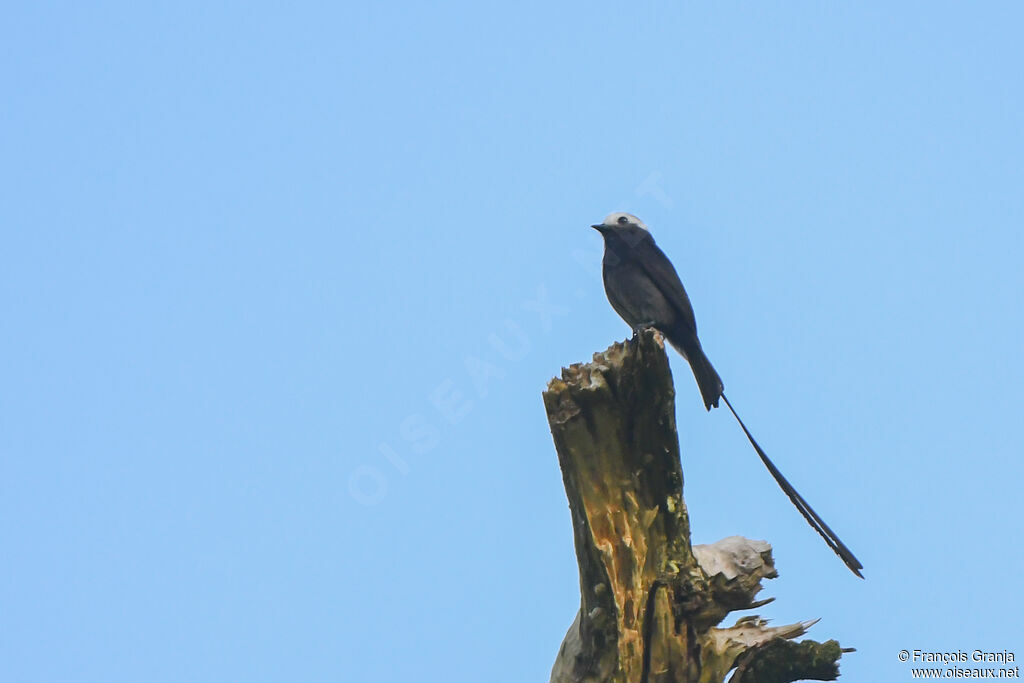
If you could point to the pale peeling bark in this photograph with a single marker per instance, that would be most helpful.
(651, 603)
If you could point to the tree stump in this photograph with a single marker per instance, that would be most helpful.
(650, 602)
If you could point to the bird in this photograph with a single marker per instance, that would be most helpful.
(645, 290)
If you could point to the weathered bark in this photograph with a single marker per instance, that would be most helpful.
(650, 602)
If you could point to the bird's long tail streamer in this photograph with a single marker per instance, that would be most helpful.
(806, 510)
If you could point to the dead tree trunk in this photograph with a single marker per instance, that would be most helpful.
(650, 602)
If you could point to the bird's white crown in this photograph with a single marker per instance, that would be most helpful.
(616, 219)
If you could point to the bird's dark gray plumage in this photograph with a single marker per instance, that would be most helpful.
(644, 288)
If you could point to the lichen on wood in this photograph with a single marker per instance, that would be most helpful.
(650, 602)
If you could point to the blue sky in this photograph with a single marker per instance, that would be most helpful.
(281, 287)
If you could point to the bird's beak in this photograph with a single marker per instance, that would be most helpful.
(600, 227)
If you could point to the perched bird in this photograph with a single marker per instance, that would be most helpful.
(645, 290)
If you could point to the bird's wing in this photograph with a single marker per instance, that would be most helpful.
(664, 276)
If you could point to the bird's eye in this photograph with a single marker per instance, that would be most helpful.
(623, 220)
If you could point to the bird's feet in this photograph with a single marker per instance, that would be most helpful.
(640, 327)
